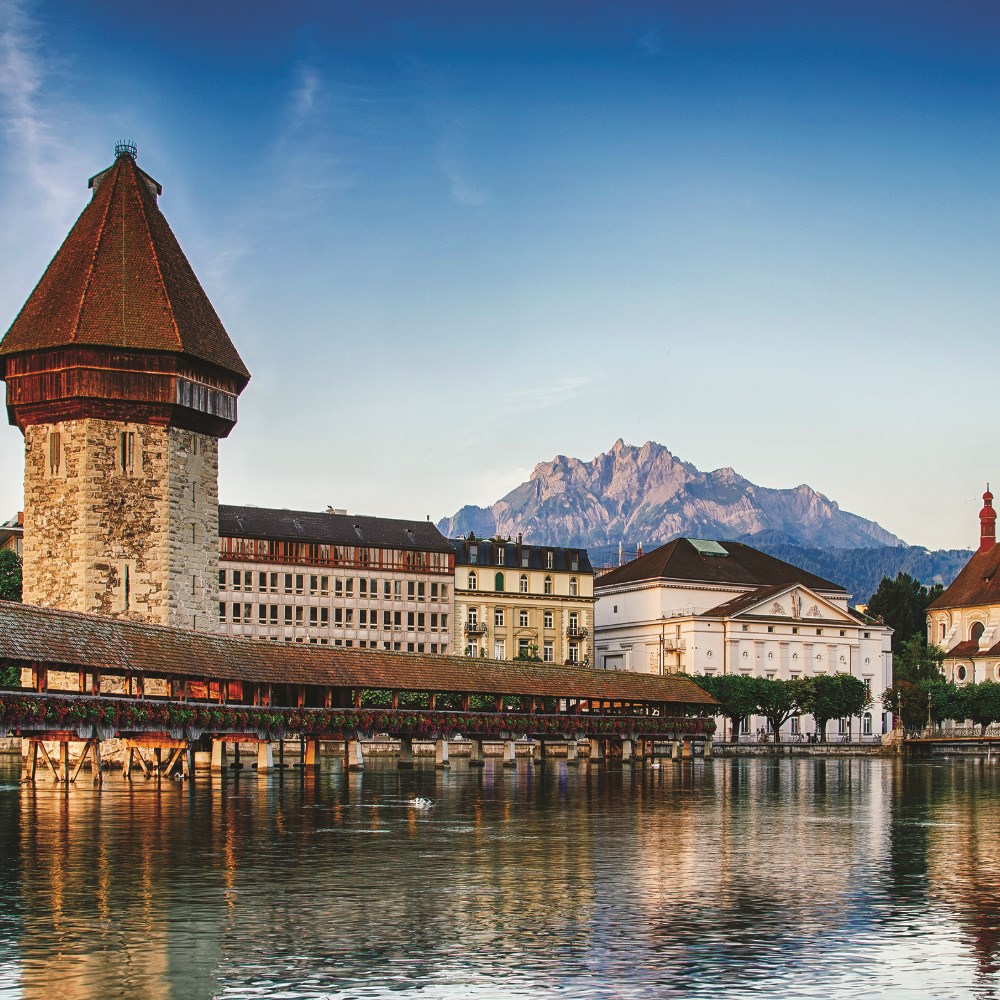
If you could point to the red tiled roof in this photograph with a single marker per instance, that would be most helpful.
(978, 583)
(65, 639)
(744, 565)
(121, 280)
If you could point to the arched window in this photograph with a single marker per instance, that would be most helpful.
(976, 633)
(548, 585)
(498, 582)
(473, 580)
(523, 583)
(572, 586)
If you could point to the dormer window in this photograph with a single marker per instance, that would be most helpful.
(501, 553)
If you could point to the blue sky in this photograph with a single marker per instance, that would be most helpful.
(452, 240)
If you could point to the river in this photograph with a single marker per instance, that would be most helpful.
(728, 878)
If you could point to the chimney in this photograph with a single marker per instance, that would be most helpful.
(987, 523)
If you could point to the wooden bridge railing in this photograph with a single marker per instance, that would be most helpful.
(102, 717)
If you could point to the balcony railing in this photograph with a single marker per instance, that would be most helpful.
(576, 633)
(472, 628)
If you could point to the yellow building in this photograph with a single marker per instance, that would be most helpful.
(514, 600)
(965, 620)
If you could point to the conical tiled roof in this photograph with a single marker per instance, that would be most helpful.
(121, 280)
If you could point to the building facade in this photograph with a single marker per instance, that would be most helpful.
(965, 620)
(707, 607)
(12, 533)
(514, 600)
(122, 379)
(335, 579)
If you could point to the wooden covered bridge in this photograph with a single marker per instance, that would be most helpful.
(86, 679)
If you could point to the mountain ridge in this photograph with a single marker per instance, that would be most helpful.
(645, 495)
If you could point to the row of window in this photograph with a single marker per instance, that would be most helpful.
(501, 557)
(795, 631)
(523, 616)
(522, 584)
(525, 650)
(240, 549)
(411, 647)
(268, 614)
(319, 585)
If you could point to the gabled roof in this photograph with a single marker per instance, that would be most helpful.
(121, 280)
(681, 561)
(978, 583)
(330, 528)
(67, 639)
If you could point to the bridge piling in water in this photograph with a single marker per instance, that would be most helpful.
(441, 754)
(509, 753)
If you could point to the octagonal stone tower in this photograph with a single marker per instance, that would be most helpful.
(122, 379)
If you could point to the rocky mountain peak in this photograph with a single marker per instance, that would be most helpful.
(645, 494)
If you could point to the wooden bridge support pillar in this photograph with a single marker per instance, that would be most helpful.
(355, 756)
(509, 753)
(476, 753)
(405, 761)
(628, 757)
(685, 750)
(64, 760)
(538, 752)
(441, 753)
(572, 753)
(597, 751)
(30, 762)
(311, 756)
(265, 756)
(218, 755)
(708, 749)
(675, 750)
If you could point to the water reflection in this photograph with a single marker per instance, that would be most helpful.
(809, 877)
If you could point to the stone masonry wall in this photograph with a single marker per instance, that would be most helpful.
(138, 543)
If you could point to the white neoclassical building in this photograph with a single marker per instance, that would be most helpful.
(695, 606)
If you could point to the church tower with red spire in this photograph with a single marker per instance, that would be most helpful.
(122, 379)
(987, 523)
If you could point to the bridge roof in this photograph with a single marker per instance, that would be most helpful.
(68, 640)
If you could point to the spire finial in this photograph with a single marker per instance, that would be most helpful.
(126, 147)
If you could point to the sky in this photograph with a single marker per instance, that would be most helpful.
(454, 240)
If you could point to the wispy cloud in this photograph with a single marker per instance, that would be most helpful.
(547, 394)
(452, 161)
(651, 42)
(26, 115)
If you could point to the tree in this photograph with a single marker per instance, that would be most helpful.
(902, 604)
(10, 575)
(836, 696)
(778, 701)
(908, 701)
(915, 661)
(736, 695)
(982, 703)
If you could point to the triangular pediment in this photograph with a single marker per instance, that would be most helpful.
(791, 603)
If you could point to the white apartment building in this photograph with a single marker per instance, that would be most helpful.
(337, 579)
(695, 606)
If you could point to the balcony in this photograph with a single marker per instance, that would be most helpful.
(472, 628)
(576, 633)
(674, 645)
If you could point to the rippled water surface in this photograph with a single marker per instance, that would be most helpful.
(798, 878)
